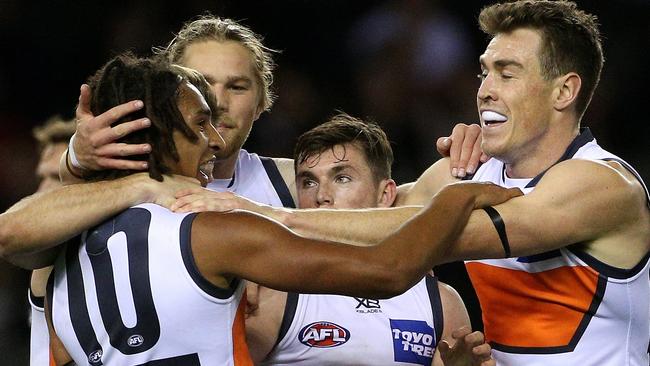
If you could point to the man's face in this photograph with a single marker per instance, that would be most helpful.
(48, 166)
(228, 68)
(514, 101)
(196, 158)
(338, 178)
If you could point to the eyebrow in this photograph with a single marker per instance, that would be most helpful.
(501, 64)
(305, 174)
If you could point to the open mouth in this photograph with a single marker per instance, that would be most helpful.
(492, 118)
(205, 169)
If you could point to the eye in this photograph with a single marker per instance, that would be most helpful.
(202, 125)
(506, 76)
(238, 87)
(308, 183)
(343, 179)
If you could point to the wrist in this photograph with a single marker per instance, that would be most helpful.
(74, 162)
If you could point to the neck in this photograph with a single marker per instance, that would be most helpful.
(542, 154)
(225, 168)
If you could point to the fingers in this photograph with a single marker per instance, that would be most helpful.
(107, 134)
(83, 108)
(121, 149)
(472, 133)
(252, 298)
(442, 145)
(457, 137)
(461, 332)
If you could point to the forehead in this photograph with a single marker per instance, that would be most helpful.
(520, 45)
(343, 154)
(190, 100)
(216, 58)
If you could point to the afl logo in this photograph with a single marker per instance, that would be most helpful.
(95, 357)
(135, 340)
(323, 335)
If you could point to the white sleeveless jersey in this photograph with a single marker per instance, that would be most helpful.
(563, 307)
(131, 294)
(256, 178)
(341, 330)
(39, 339)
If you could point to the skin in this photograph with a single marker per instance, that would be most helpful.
(228, 68)
(340, 177)
(244, 250)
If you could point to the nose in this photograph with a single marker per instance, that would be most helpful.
(486, 90)
(215, 141)
(223, 99)
(324, 197)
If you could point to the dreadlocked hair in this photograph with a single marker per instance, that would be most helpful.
(155, 82)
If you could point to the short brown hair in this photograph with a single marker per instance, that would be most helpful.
(342, 129)
(210, 28)
(54, 130)
(570, 38)
(156, 82)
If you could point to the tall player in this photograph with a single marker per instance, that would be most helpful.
(184, 269)
(574, 278)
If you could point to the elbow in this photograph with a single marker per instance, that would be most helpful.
(8, 235)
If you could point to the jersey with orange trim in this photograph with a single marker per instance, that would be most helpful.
(343, 330)
(563, 307)
(130, 294)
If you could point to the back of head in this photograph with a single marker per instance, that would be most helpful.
(155, 82)
(211, 28)
(344, 129)
(570, 38)
(54, 130)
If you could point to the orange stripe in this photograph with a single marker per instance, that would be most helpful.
(51, 356)
(240, 348)
(523, 309)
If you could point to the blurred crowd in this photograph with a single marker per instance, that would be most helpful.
(409, 65)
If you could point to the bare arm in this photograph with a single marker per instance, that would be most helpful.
(263, 325)
(42, 221)
(245, 250)
(598, 204)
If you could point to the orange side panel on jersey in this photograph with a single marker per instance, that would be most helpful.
(52, 363)
(240, 348)
(523, 309)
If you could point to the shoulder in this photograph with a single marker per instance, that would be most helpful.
(595, 175)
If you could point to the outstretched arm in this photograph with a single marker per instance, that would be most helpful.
(245, 250)
(42, 221)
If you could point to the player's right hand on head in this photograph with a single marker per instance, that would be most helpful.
(487, 193)
(95, 143)
(463, 148)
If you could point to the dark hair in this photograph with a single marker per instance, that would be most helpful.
(156, 82)
(342, 129)
(570, 38)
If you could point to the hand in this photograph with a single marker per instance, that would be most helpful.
(463, 148)
(252, 298)
(201, 199)
(164, 193)
(94, 142)
(469, 349)
(486, 193)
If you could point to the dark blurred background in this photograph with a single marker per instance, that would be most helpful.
(409, 65)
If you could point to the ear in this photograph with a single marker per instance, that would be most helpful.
(387, 193)
(258, 111)
(568, 86)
